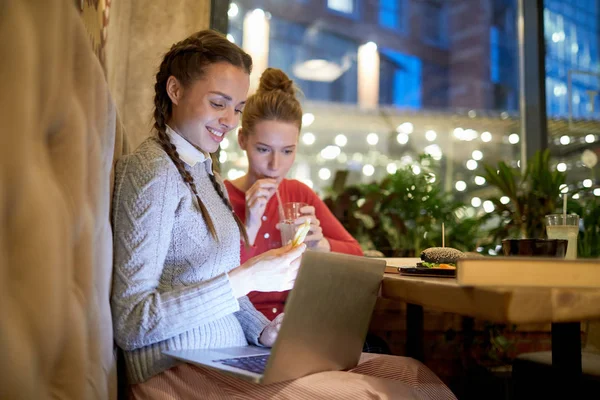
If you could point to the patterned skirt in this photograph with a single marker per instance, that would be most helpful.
(375, 377)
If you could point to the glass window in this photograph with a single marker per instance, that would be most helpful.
(433, 22)
(391, 14)
(494, 54)
(344, 6)
(572, 32)
(449, 101)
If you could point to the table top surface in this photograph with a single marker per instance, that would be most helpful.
(497, 304)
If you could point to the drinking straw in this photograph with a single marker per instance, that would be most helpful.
(443, 236)
(280, 205)
(564, 209)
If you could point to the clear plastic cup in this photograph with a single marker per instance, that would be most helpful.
(287, 226)
(561, 226)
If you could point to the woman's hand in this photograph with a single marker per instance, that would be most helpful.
(269, 334)
(272, 271)
(315, 239)
(257, 198)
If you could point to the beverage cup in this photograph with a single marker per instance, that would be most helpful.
(561, 226)
(287, 226)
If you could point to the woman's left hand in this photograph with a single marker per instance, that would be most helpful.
(269, 334)
(315, 239)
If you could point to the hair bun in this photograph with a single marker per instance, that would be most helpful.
(275, 79)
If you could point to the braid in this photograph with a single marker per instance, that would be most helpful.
(238, 221)
(161, 127)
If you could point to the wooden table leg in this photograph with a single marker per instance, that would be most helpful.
(414, 331)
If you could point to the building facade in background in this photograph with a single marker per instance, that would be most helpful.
(415, 76)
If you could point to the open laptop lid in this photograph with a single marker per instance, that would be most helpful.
(327, 315)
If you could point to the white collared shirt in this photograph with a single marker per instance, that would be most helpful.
(188, 153)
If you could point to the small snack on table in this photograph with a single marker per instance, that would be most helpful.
(440, 257)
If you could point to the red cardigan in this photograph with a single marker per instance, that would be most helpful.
(268, 237)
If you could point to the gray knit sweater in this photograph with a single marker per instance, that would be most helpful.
(170, 283)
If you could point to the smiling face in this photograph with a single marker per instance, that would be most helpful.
(271, 149)
(205, 110)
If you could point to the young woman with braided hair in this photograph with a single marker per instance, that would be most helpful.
(178, 283)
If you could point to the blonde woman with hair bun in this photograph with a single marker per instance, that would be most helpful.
(271, 124)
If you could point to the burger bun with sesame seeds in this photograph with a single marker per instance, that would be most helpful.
(440, 257)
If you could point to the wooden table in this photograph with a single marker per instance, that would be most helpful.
(563, 308)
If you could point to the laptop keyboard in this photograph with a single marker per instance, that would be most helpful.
(254, 364)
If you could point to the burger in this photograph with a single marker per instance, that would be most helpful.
(440, 257)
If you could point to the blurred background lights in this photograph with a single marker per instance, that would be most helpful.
(324, 174)
(460, 186)
(402, 138)
(341, 140)
(405, 127)
(330, 152)
(434, 151)
(307, 119)
(233, 10)
(486, 137)
(308, 138)
(368, 170)
(225, 143)
(430, 135)
(488, 206)
(590, 138)
(470, 134)
(458, 133)
(513, 138)
(372, 138)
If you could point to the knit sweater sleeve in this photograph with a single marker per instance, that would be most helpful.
(144, 206)
(253, 321)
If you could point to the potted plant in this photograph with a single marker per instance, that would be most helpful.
(588, 209)
(532, 195)
(402, 214)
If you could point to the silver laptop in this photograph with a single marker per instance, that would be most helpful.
(327, 316)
